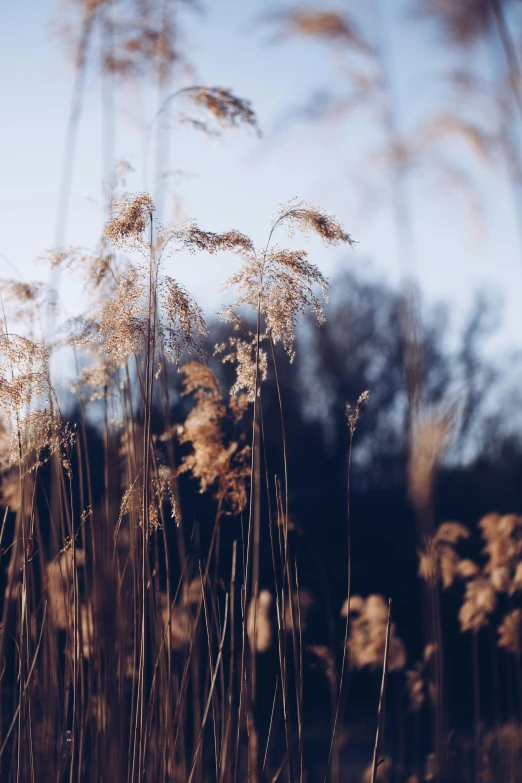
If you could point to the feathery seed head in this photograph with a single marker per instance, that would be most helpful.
(280, 284)
(300, 215)
(467, 569)
(242, 352)
(509, 632)
(415, 688)
(439, 558)
(367, 637)
(479, 602)
(23, 373)
(183, 325)
(353, 414)
(229, 110)
(213, 461)
(451, 533)
(133, 217)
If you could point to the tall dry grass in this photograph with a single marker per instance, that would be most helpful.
(132, 637)
(124, 655)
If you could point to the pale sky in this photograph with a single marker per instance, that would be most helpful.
(238, 180)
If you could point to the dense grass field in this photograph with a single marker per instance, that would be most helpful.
(283, 542)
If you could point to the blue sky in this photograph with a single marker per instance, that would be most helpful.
(237, 180)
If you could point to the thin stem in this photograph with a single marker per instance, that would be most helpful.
(380, 711)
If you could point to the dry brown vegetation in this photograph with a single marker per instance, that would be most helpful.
(97, 602)
(134, 640)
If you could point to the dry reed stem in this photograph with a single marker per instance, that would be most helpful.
(380, 710)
